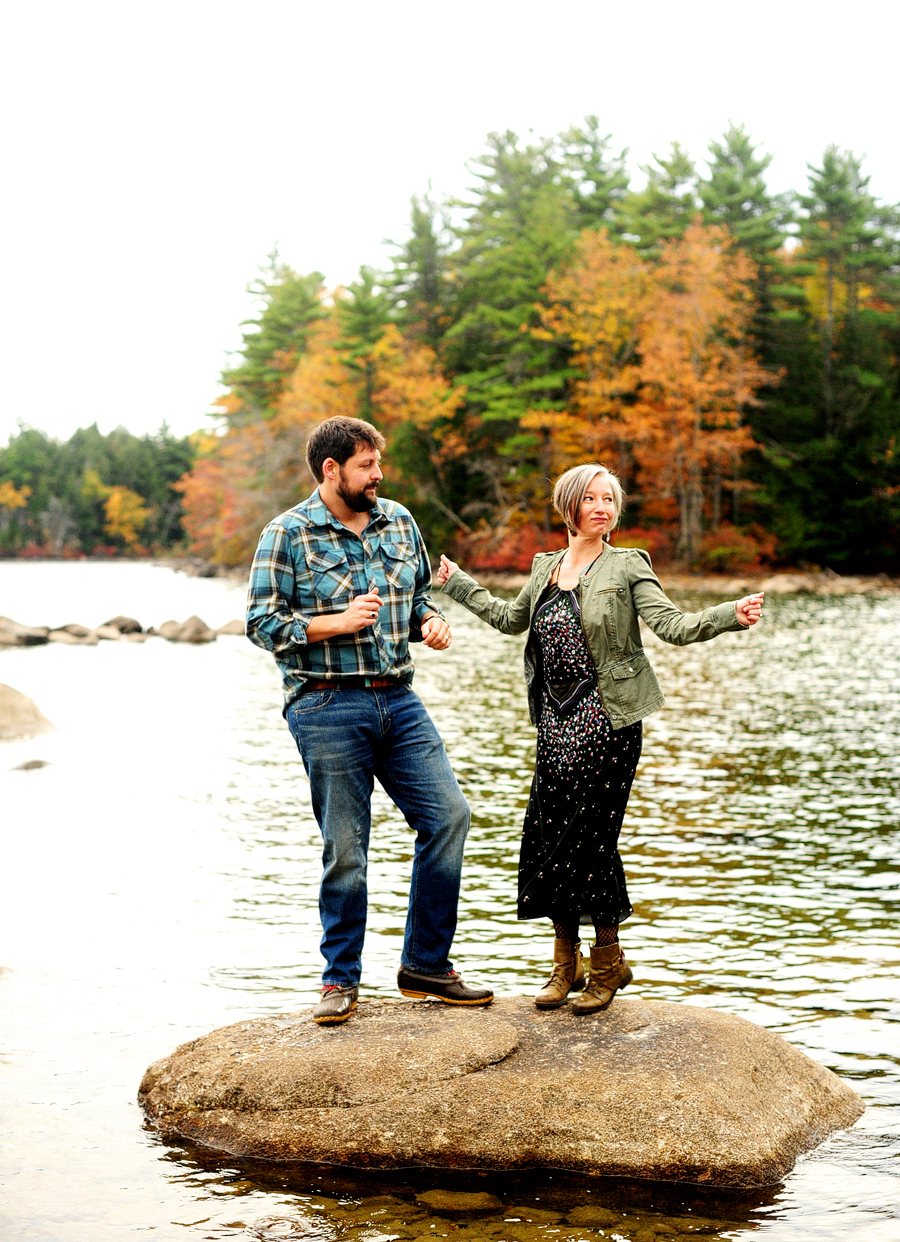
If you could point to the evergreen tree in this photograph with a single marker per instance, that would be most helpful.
(845, 238)
(599, 181)
(735, 194)
(419, 285)
(363, 314)
(665, 207)
(522, 223)
(272, 342)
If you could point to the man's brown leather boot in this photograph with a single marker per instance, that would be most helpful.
(608, 972)
(567, 976)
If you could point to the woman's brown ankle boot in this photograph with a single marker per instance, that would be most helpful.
(608, 972)
(567, 976)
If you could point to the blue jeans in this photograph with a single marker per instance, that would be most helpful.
(346, 739)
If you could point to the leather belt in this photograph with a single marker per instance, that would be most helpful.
(353, 683)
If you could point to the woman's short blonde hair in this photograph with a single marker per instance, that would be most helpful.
(571, 488)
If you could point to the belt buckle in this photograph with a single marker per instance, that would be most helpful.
(367, 682)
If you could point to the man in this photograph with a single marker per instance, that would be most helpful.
(339, 588)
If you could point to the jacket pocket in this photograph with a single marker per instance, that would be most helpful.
(398, 558)
(629, 688)
(330, 574)
(632, 667)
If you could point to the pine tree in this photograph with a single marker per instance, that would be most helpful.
(735, 195)
(272, 342)
(665, 207)
(419, 287)
(363, 313)
(599, 181)
(521, 224)
(845, 238)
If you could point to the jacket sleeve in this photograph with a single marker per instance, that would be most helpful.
(507, 616)
(665, 619)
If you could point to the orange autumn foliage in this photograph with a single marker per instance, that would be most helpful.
(665, 365)
(697, 373)
(248, 475)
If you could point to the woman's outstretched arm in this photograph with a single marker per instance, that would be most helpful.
(507, 616)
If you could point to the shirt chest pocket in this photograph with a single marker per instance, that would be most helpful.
(398, 558)
(330, 574)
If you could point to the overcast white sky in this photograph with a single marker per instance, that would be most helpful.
(153, 152)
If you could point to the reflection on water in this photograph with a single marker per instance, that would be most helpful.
(161, 879)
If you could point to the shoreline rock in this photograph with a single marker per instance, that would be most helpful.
(14, 634)
(647, 1089)
(20, 716)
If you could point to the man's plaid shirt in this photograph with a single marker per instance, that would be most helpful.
(309, 564)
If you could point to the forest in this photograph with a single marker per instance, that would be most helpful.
(733, 354)
(95, 494)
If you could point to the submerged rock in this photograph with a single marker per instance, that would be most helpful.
(648, 1089)
(20, 716)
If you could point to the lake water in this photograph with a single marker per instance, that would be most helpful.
(159, 879)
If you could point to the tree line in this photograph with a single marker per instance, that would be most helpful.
(93, 494)
(733, 354)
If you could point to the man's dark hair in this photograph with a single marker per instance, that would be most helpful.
(340, 438)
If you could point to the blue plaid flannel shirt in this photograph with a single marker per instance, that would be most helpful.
(309, 564)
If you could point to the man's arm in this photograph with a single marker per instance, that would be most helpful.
(271, 620)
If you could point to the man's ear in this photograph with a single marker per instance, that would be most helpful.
(330, 469)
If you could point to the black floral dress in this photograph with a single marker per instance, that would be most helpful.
(569, 865)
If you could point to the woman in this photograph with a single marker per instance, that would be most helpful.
(589, 686)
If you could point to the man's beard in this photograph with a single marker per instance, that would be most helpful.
(359, 502)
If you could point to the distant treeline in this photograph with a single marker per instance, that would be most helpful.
(733, 354)
(94, 494)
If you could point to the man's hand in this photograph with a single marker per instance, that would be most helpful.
(436, 633)
(749, 609)
(363, 611)
(445, 569)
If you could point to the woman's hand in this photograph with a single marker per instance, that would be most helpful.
(445, 570)
(749, 609)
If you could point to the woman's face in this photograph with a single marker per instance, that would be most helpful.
(598, 509)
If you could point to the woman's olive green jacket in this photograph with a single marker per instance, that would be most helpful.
(616, 590)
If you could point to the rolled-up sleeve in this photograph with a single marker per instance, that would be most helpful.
(271, 620)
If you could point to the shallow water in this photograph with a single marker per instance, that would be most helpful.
(160, 876)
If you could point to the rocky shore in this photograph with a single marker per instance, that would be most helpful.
(117, 629)
(647, 1089)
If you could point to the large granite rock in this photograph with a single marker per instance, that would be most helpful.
(20, 716)
(648, 1089)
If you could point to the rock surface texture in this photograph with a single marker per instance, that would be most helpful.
(20, 716)
(647, 1089)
